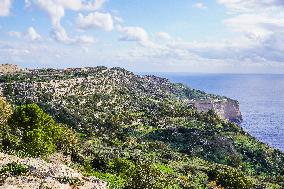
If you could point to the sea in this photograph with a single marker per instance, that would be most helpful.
(261, 98)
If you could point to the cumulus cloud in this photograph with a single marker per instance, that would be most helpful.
(262, 23)
(56, 11)
(31, 34)
(137, 34)
(5, 6)
(249, 20)
(200, 5)
(60, 35)
(103, 21)
(164, 35)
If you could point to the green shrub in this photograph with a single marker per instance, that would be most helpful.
(229, 177)
(5, 111)
(99, 163)
(120, 165)
(68, 141)
(145, 176)
(33, 132)
(14, 169)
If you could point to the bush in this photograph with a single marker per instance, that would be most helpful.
(145, 176)
(35, 133)
(68, 141)
(120, 165)
(99, 163)
(5, 111)
(230, 178)
(14, 169)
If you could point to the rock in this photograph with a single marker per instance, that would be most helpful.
(9, 69)
(42, 174)
(225, 108)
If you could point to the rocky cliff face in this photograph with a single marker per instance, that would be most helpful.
(225, 108)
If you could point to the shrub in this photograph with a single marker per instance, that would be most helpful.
(35, 133)
(68, 141)
(5, 111)
(145, 176)
(120, 165)
(14, 169)
(99, 163)
(230, 178)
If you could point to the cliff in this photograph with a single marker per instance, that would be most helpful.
(225, 108)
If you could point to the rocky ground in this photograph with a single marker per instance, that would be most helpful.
(42, 175)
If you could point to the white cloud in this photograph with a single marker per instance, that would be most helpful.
(15, 34)
(262, 23)
(200, 5)
(60, 35)
(136, 34)
(5, 6)
(250, 5)
(164, 35)
(256, 19)
(85, 40)
(118, 19)
(95, 20)
(56, 11)
(31, 34)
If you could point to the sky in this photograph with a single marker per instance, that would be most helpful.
(211, 36)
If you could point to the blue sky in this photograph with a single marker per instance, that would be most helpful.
(218, 36)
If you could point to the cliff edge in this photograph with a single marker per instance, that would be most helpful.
(226, 108)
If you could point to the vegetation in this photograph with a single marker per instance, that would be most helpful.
(134, 132)
(14, 169)
(33, 132)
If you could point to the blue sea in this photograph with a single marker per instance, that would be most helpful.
(261, 99)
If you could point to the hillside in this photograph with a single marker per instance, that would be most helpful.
(146, 132)
(57, 86)
(9, 69)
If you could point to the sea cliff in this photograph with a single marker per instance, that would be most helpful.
(225, 108)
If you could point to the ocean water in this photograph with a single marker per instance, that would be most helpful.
(261, 99)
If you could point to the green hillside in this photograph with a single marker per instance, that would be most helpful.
(132, 131)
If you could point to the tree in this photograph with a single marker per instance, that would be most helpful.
(5, 111)
(32, 131)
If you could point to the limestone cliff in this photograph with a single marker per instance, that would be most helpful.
(225, 108)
